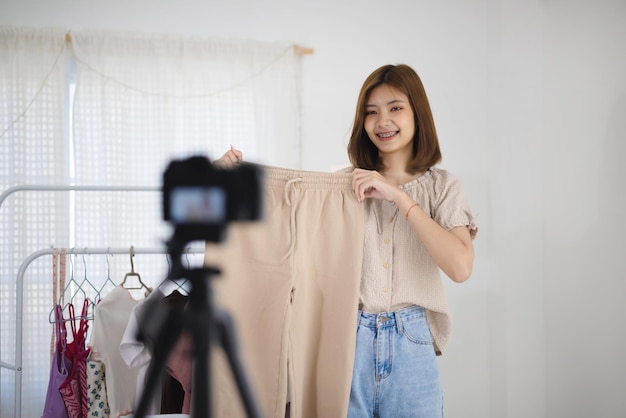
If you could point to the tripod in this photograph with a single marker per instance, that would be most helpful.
(160, 327)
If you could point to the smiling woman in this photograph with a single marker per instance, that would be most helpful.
(417, 222)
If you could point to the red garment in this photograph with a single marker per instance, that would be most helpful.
(74, 389)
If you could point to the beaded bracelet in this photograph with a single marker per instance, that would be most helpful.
(409, 210)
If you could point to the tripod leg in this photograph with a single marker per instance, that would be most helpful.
(227, 338)
(163, 345)
(201, 333)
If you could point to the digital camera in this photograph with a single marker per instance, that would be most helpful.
(200, 199)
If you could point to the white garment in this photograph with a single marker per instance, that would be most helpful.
(110, 321)
(137, 356)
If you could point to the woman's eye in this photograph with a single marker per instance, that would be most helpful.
(370, 112)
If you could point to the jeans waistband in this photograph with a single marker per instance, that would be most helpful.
(391, 319)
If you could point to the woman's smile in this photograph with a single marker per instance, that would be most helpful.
(387, 136)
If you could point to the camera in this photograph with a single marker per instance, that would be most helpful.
(200, 199)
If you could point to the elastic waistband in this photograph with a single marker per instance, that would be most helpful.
(279, 177)
(391, 319)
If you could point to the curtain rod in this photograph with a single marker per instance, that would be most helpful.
(299, 50)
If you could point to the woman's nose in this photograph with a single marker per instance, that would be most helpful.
(383, 119)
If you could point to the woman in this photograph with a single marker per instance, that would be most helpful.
(417, 222)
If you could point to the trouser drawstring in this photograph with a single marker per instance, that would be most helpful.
(292, 216)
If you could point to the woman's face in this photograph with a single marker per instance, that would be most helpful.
(389, 121)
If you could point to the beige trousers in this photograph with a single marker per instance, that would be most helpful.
(291, 284)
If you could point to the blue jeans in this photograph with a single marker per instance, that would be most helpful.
(395, 369)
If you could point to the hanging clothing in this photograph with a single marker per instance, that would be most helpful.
(136, 355)
(97, 400)
(60, 364)
(54, 407)
(110, 320)
(74, 388)
(179, 367)
(291, 284)
(175, 390)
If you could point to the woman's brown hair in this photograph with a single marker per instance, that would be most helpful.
(426, 152)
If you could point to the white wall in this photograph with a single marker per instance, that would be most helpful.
(585, 252)
(530, 103)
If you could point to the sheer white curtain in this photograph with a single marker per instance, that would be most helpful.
(142, 101)
(32, 151)
(113, 109)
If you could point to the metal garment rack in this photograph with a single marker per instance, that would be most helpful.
(66, 188)
(17, 367)
(20, 296)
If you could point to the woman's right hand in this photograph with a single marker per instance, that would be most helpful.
(229, 159)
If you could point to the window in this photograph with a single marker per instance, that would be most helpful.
(111, 109)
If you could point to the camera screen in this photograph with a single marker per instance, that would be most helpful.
(205, 205)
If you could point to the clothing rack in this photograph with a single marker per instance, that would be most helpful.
(20, 296)
(63, 188)
(17, 367)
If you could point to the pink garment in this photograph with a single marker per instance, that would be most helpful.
(179, 366)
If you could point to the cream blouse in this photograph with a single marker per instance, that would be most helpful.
(397, 270)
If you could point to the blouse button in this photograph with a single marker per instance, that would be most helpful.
(386, 265)
(386, 241)
(384, 290)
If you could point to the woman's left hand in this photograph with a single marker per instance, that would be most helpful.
(231, 158)
(371, 184)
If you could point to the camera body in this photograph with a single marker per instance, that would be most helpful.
(200, 199)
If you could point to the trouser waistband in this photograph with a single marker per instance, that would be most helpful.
(279, 177)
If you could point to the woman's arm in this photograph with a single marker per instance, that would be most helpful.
(453, 250)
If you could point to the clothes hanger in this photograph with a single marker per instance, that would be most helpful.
(86, 301)
(73, 286)
(85, 282)
(171, 285)
(108, 280)
(133, 273)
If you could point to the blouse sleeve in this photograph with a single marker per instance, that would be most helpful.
(452, 208)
